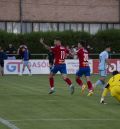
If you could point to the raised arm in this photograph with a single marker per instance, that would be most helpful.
(45, 45)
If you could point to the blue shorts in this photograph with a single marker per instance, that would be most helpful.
(103, 73)
(83, 71)
(60, 67)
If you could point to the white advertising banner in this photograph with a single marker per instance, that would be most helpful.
(15, 67)
(39, 66)
(118, 65)
(73, 66)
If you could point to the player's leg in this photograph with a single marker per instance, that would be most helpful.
(24, 65)
(117, 97)
(2, 68)
(28, 67)
(50, 66)
(54, 70)
(89, 83)
(79, 74)
(68, 81)
(101, 80)
(115, 92)
(2, 71)
(90, 87)
(51, 82)
(63, 72)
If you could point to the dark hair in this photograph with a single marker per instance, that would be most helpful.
(83, 43)
(23, 47)
(107, 46)
(115, 72)
(57, 38)
(0, 47)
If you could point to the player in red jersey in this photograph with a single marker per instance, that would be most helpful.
(60, 53)
(84, 68)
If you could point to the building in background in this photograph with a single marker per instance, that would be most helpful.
(59, 15)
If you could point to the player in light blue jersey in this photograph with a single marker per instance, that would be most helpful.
(103, 62)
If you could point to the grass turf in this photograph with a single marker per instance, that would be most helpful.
(25, 102)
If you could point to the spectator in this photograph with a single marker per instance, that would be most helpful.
(3, 56)
(89, 48)
(11, 51)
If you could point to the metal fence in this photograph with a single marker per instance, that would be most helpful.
(92, 56)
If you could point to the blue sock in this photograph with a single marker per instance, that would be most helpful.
(99, 82)
(30, 70)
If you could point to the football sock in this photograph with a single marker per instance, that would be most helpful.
(51, 80)
(68, 81)
(90, 87)
(100, 82)
(79, 81)
(30, 70)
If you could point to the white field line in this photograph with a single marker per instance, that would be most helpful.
(24, 94)
(8, 124)
(65, 119)
(7, 95)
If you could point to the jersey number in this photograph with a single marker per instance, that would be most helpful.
(62, 54)
(86, 57)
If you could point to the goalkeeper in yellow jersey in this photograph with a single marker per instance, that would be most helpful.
(113, 87)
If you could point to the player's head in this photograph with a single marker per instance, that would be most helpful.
(108, 48)
(115, 73)
(81, 44)
(21, 46)
(10, 45)
(1, 49)
(23, 49)
(57, 42)
(68, 47)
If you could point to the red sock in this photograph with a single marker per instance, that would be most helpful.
(68, 81)
(90, 87)
(79, 81)
(51, 81)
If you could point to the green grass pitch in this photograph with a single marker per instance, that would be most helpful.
(24, 101)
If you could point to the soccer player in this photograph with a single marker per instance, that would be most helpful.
(3, 56)
(11, 51)
(26, 57)
(113, 87)
(60, 53)
(84, 68)
(20, 52)
(103, 62)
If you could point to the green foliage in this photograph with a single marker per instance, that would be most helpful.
(111, 37)
(97, 41)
